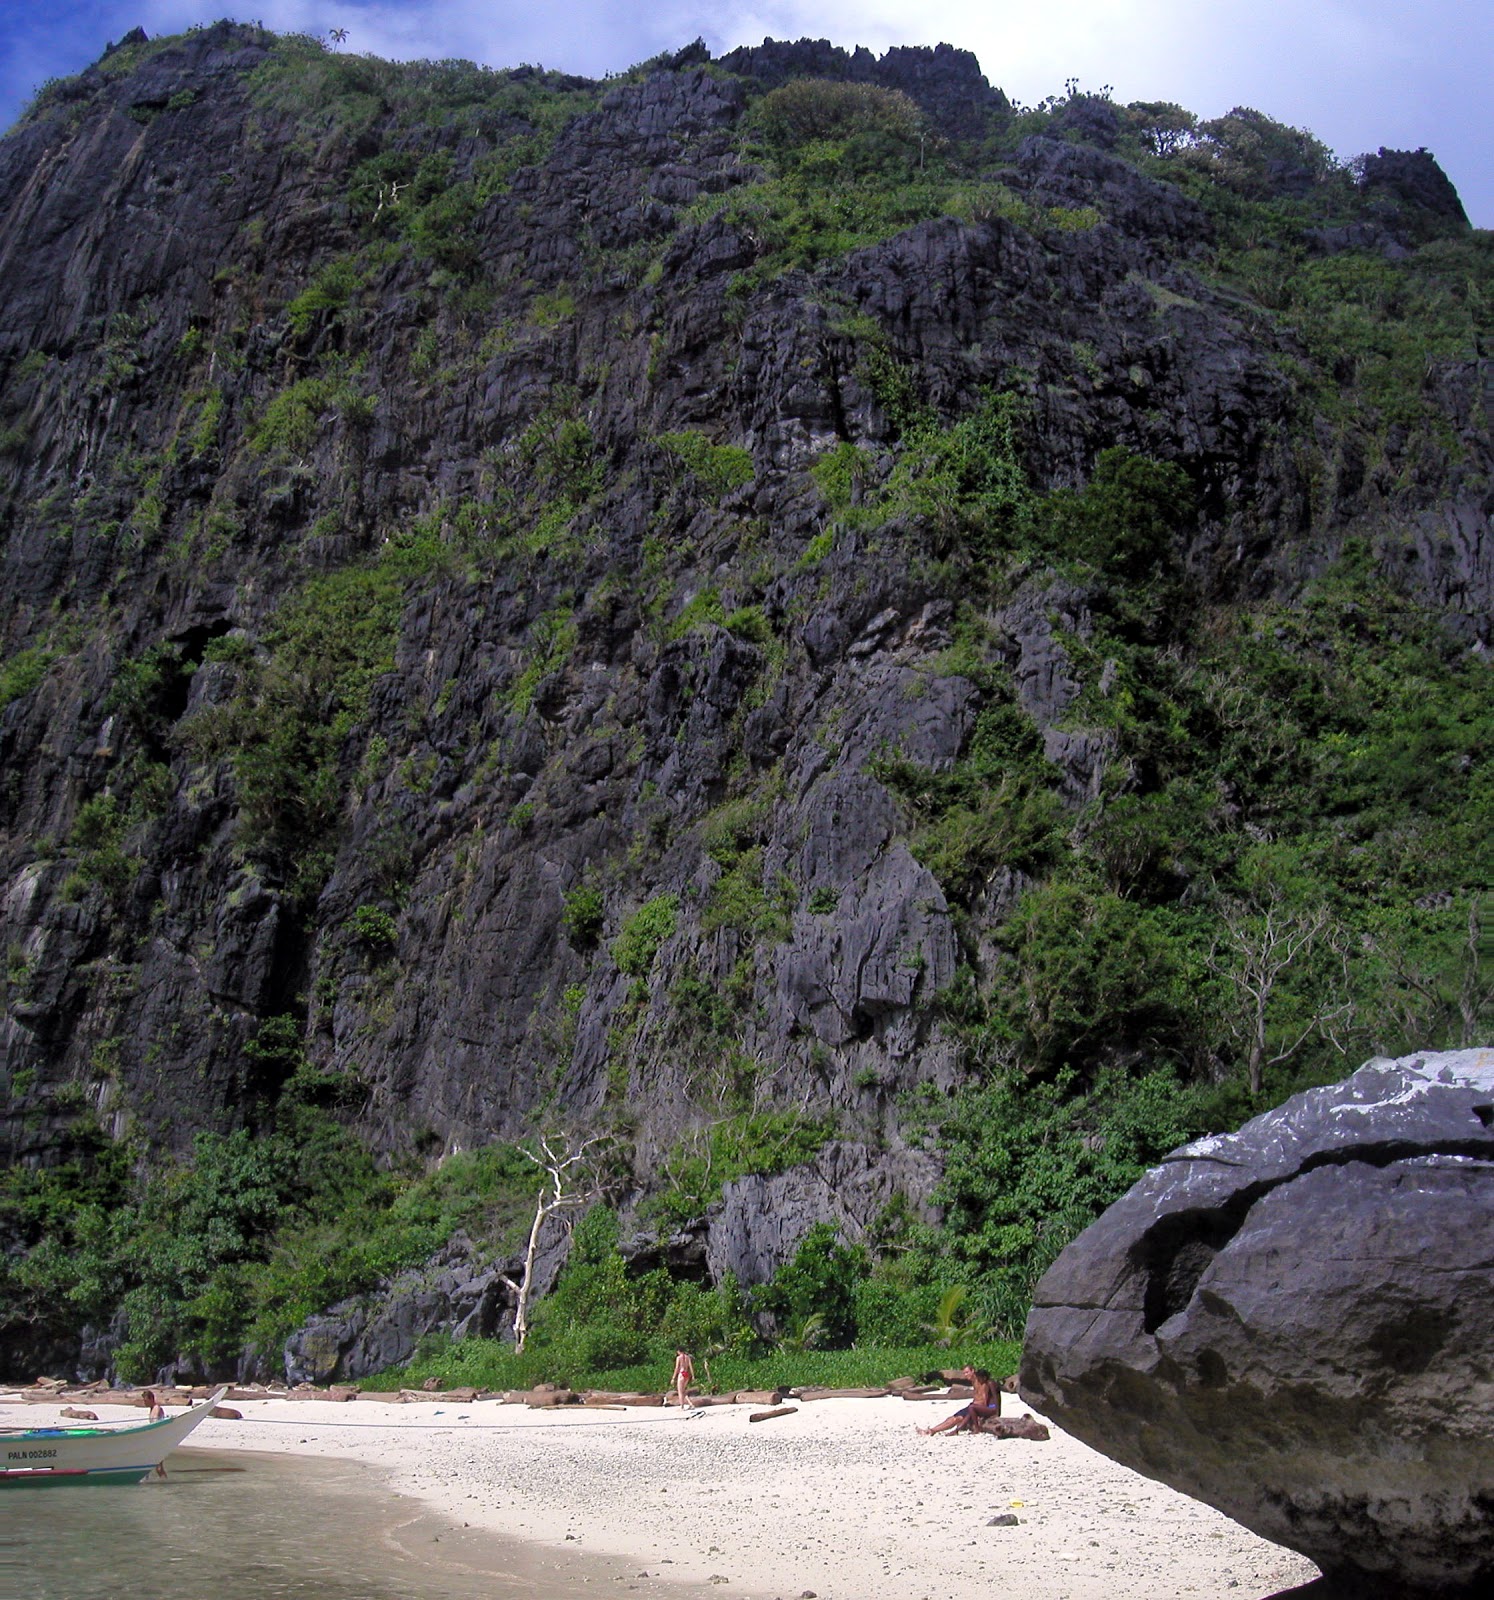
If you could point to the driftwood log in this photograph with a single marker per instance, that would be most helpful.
(540, 1399)
(1023, 1427)
(777, 1411)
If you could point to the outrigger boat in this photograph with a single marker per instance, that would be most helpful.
(50, 1456)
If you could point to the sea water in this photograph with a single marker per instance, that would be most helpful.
(241, 1526)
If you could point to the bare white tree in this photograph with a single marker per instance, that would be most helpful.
(570, 1181)
(1263, 940)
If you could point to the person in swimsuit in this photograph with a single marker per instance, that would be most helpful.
(985, 1401)
(684, 1376)
(155, 1411)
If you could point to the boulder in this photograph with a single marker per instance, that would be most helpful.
(1295, 1323)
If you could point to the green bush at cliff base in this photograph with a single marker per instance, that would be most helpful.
(237, 1245)
(1028, 1165)
(490, 1364)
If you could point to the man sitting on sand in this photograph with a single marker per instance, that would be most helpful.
(985, 1401)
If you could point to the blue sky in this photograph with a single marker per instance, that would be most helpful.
(1358, 73)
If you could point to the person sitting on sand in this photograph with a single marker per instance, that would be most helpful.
(985, 1401)
(684, 1376)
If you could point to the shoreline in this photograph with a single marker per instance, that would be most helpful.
(842, 1498)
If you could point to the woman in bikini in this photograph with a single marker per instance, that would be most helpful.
(684, 1376)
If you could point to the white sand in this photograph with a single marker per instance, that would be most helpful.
(842, 1498)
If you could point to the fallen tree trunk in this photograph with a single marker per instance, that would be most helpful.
(1023, 1427)
(777, 1411)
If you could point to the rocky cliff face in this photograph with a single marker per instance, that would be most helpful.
(439, 655)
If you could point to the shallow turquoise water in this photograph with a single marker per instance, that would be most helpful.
(249, 1527)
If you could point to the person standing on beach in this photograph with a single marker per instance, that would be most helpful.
(684, 1376)
(154, 1410)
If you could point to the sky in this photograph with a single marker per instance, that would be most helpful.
(1360, 74)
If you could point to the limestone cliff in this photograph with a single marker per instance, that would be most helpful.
(473, 605)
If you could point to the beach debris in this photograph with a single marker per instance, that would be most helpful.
(544, 1396)
(1007, 1519)
(759, 1397)
(1024, 1427)
(955, 1391)
(777, 1411)
(1295, 1324)
(225, 1414)
(815, 1392)
(79, 1414)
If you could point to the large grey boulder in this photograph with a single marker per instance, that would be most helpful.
(1295, 1323)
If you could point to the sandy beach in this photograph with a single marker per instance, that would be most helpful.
(843, 1498)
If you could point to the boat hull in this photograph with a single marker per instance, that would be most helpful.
(73, 1457)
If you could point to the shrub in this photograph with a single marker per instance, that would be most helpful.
(820, 1282)
(719, 468)
(97, 836)
(639, 939)
(752, 1143)
(1029, 1165)
(553, 637)
(810, 111)
(330, 291)
(373, 926)
(1129, 520)
(581, 915)
(293, 417)
(326, 647)
(22, 673)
